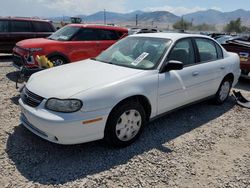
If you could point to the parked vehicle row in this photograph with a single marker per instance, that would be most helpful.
(137, 79)
(115, 88)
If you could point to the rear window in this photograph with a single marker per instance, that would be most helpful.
(20, 26)
(4, 26)
(42, 27)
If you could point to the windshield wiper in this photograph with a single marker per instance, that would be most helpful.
(102, 61)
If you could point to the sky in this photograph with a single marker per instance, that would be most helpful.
(48, 8)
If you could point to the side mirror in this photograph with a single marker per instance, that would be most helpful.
(171, 65)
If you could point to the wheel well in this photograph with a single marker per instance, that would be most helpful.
(230, 76)
(138, 98)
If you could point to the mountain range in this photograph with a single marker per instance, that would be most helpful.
(207, 16)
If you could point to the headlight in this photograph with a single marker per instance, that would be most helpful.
(65, 105)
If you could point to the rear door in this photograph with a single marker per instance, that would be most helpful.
(20, 30)
(5, 43)
(210, 64)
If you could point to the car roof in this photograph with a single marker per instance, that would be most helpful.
(99, 27)
(172, 36)
(24, 19)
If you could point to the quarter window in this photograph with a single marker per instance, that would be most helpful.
(20, 26)
(219, 51)
(183, 51)
(108, 35)
(42, 27)
(4, 26)
(207, 50)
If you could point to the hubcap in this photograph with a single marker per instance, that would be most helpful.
(128, 125)
(224, 91)
(57, 62)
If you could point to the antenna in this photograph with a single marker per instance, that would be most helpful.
(104, 12)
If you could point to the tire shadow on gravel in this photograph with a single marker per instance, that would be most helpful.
(12, 76)
(47, 163)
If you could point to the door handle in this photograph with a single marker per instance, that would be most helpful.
(222, 68)
(195, 73)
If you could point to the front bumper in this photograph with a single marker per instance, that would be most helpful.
(64, 128)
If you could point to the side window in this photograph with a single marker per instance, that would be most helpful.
(4, 26)
(108, 35)
(207, 50)
(86, 34)
(219, 51)
(183, 51)
(42, 27)
(20, 26)
(120, 34)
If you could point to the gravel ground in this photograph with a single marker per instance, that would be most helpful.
(200, 146)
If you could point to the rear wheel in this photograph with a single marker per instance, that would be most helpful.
(125, 124)
(57, 60)
(223, 91)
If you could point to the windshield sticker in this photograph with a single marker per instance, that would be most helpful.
(63, 37)
(140, 58)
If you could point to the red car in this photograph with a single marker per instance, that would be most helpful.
(71, 43)
(242, 48)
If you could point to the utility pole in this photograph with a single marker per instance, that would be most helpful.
(136, 19)
(182, 23)
(104, 12)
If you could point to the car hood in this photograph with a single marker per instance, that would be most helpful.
(35, 43)
(67, 80)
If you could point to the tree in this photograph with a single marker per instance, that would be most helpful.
(234, 26)
(204, 27)
(182, 24)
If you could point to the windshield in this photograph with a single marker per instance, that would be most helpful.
(136, 52)
(64, 33)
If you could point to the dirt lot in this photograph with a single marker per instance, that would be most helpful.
(199, 146)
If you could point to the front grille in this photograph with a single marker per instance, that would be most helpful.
(17, 60)
(30, 98)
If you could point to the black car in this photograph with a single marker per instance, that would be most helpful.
(13, 30)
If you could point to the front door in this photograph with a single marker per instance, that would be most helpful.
(174, 85)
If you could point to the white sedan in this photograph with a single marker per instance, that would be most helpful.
(134, 81)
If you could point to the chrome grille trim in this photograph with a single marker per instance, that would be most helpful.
(30, 98)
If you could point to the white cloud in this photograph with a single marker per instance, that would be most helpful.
(48, 8)
(84, 7)
(175, 10)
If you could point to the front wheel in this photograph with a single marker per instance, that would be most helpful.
(125, 124)
(223, 91)
(57, 60)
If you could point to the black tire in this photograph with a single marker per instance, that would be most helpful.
(57, 60)
(218, 99)
(111, 132)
